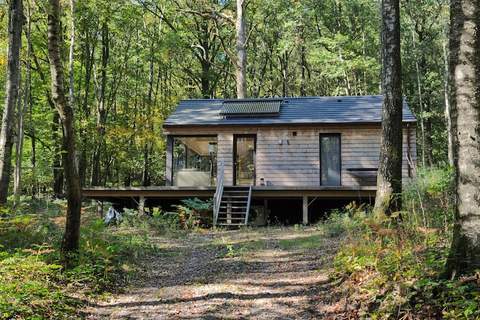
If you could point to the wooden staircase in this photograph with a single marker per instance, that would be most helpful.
(234, 206)
(231, 204)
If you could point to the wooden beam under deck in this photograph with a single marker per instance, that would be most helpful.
(171, 192)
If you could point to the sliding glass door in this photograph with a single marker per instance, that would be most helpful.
(330, 160)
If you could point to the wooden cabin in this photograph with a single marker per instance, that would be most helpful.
(308, 148)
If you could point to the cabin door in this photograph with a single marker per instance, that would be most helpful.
(244, 148)
(330, 160)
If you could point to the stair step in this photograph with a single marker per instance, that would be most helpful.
(233, 209)
(235, 197)
(231, 213)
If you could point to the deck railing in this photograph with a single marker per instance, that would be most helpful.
(217, 198)
(248, 205)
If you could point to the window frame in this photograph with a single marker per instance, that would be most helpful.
(173, 136)
(333, 134)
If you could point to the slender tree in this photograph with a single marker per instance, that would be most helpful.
(71, 56)
(464, 73)
(102, 111)
(22, 110)
(241, 61)
(448, 108)
(389, 180)
(15, 22)
(72, 229)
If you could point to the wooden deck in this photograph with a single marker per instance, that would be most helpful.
(170, 192)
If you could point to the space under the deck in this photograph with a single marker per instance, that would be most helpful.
(286, 205)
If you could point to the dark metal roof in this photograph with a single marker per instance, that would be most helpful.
(251, 107)
(305, 110)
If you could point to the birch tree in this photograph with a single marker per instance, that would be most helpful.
(464, 73)
(15, 22)
(389, 179)
(241, 61)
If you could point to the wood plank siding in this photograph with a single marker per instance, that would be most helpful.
(289, 156)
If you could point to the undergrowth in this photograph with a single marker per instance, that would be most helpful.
(33, 282)
(393, 271)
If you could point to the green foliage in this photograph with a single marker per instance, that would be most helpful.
(33, 282)
(194, 212)
(429, 198)
(393, 271)
(29, 286)
(347, 220)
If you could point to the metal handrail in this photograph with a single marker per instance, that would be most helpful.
(248, 205)
(217, 198)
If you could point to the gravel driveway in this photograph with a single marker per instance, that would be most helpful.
(270, 273)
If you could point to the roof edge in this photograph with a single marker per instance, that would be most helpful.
(303, 124)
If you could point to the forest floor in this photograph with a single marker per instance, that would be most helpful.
(264, 273)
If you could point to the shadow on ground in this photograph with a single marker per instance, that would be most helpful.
(277, 273)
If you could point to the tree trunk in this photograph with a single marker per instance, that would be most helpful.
(57, 156)
(17, 189)
(149, 124)
(15, 22)
(74, 195)
(428, 138)
(241, 63)
(448, 117)
(89, 56)
(58, 177)
(101, 109)
(389, 180)
(303, 61)
(465, 105)
(71, 55)
(420, 102)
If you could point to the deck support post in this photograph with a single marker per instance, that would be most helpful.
(305, 209)
(100, 208)
(141, 205)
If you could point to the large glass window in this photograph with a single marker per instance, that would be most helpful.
(330, 161)
(194, 161)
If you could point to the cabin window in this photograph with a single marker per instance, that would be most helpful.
(194, 161)
(330, 160)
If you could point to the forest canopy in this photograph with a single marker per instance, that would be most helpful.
(134, 60)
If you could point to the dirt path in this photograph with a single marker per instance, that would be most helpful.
(274, 273)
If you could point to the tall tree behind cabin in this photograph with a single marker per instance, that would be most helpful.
(15, 23)
(389, 179)
(241, 61)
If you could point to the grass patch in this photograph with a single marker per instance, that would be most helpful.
(301, 242)
(228, 248)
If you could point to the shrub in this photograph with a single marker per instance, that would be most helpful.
(194, 212)
(30, 287)
(393, 270)
(33, 283)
